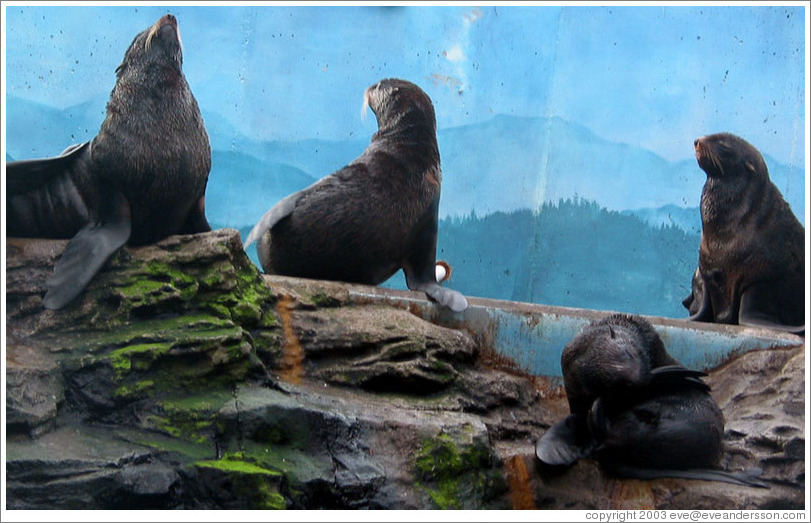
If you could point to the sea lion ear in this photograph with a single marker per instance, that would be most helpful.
(750, 167)
(611, 331)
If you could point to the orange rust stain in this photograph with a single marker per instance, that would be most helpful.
(291, 368)
(631, 494)
(520, 489)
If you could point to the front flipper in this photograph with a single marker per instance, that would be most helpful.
(420, 264)
(26, 175)
(282, 209)
(447, 297)
(748, 478)
(676, 374)
(87, 252)
(752, 311)
(698, 303)
(196, 220)
(565, 442)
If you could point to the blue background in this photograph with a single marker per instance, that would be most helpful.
(566, 133)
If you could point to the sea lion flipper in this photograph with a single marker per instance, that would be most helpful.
(751, 310)
(747, 478)
(676, 374)
(566, 442)
(283, 208)
(87, 252)
(676, 371)
(26, 175)
(449, 298)
(420, 265)
(698, 303)
(196, 221)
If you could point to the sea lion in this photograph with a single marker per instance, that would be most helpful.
(141, 179)
(751, 262)
(635, 409)
(379, 214)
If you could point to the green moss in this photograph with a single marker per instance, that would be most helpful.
(324, 300)
(234, 465)
(136, 357)
(449, 475)
(186, 451)
(192, 418)
(137, 389)
(255, 485)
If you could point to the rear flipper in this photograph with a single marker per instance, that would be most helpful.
(282, 209)
(748, 478)
(27, 175)
(87, 252)
(43, 199)
(565, 442)
(755, 301)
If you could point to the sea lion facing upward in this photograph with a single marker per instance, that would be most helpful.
(373, 217)
(751, 263)
(635, 409)
(141, 179)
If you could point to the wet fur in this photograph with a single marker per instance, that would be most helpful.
(373, 217)
(752, 252)
(634, 408)
(141, 179)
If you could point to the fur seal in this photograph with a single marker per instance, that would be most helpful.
(751, 262)
(635, 409)
(141, 179)
(373, 217)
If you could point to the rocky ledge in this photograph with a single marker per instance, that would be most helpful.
(182, 378)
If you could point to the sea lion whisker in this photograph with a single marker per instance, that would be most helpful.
(392, 189)
(745, 217)
(179, 40)
(364, 108)
(149, 36)
(150, 201)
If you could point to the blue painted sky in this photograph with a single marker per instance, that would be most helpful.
(655, 77)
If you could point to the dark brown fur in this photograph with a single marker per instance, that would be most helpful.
(373, 217)
(141, 179)
(751, 264)
(634, 408)
(612, 355)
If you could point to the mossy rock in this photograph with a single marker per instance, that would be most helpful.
(249, 485)
(456, 471)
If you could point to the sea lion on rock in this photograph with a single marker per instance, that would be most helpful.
(373, 217)
(141, 179)
(635, 409)
(751, 263)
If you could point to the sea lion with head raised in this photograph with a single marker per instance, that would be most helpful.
(635, 409)
(751, 262)
(141, 179)
(379, 214)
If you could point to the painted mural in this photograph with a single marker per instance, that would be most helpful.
(566, 133)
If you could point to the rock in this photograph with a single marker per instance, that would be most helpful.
(183, 379)
(34, 389)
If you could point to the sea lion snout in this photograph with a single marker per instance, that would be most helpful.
(166, 26)
(700, 146)
(168, 18)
